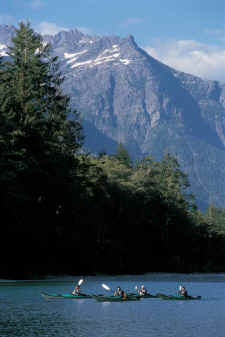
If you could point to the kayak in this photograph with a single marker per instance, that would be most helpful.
(177, 297)
(115, 298)
(71, 296)
(143, 296)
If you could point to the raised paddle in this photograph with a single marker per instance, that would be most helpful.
(105, 287)
(80, 282)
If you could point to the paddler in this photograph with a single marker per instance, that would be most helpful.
(143, 291)
(119, 292)
(76, 291)
(182, 291)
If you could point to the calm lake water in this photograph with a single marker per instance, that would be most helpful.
(24, 312)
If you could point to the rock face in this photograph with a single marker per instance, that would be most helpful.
(125, 95)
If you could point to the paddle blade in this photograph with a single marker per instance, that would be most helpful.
(80, 282)
(105, 286)
(136, 287)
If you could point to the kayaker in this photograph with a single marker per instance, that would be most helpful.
(118, 292)
(183, 291)
(143, 290)
(76, 290)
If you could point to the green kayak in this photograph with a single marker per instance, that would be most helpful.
(70, 296)
(179, 298)
(115, 298)
(143, 296)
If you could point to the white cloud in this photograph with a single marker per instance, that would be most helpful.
(37, 4)
(49, 28)
(190, 56)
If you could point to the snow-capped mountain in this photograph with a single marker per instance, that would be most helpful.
(125, 95)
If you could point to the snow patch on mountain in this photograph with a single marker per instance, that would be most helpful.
(83, 41)
(3, 49)
(99, 60)
(115, 48)
(108, 55)
(73, 57)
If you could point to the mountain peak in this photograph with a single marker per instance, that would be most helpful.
(131, 39)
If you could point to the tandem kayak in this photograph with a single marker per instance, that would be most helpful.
(179, 298)
(70, 296)
(115, 298)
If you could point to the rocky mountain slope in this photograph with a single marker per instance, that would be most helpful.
(125, 95)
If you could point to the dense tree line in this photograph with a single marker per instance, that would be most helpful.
(67, 211)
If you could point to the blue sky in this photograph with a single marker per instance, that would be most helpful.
(188, 35)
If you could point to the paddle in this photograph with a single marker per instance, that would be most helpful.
(80, 282)
(105, 286)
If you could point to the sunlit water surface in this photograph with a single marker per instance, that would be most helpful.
(24, 312)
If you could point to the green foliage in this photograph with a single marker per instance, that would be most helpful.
(116, 170)
(123, 155)
(215, 218)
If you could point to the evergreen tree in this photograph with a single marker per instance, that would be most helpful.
(31, 96)
(39, 137)
(123, 155)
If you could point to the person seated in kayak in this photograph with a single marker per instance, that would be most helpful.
(182, 291)
(143, 291)
(119, 292)
(76, 291)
